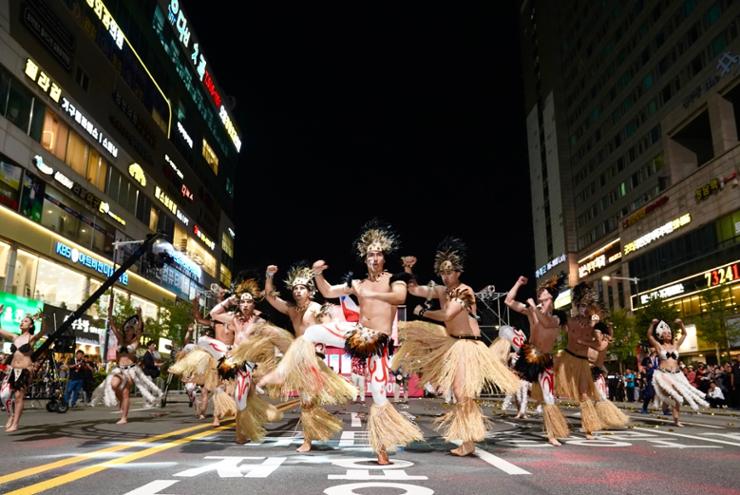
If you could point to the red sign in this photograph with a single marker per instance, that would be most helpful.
(211, 87)
(186, 193)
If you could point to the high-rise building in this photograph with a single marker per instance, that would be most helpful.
(112, 126)
(633, 112)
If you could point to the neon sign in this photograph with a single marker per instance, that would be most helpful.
(135, 171)
(107, 19)
(89, 127)
(722, 275)
(656, 234)
(549, 265)
(165, 199)
(75, 256)
(184, 134)
(601, 258)
(174, 167)
(179, 22)
(719, 276)
(200, 235)
(105, 210)
(42, 80)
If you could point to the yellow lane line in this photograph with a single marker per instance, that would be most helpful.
(87, 471)
(86, 457)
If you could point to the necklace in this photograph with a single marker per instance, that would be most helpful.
(302, 307)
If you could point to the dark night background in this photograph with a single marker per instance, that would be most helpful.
(412, 113)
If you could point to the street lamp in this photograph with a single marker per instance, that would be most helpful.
(607, 278)
(636, 280)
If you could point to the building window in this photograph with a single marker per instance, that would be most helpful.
(717, 46)
(68, 295)
(97, 170)
(82, 79)
(54, 135)
(77, 153)
(10, 184)
(122, 190)
(713, 13)
(647, 81)
(227, 245)
(19, 105)
(153, 219)
(225, 275)
(24, 276)
(148, 308)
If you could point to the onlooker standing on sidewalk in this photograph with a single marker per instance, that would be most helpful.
(629, 384)
(76, 374)
(150, 363)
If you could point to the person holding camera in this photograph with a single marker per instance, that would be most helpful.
(76, 367)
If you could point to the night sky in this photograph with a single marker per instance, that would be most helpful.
(384, 110)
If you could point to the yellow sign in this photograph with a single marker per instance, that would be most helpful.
(656, 234)
(135, 171)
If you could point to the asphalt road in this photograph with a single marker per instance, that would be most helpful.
(167, 451)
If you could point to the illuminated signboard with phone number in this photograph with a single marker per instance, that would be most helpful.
(715, 277)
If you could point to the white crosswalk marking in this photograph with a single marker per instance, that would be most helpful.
(356, 422)
(496, 461)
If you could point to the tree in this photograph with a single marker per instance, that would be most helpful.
(655, 308)
(712, 322)
(174, 319)
(626, 335)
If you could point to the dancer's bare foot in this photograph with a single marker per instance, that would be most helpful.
(467, 448)
(216, 422)
(554, 442)
(122, 421)
(305, 447)
(9, 422)
(678, 424)
(383, 458)
(241, 440)
(11, 428)
(590, 436)
(201, 416)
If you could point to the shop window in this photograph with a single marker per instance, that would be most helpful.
(55, 135)
(148, 308)
(77, 152)
(68, 295)
(32, 197)
(100, 310)
(10, 184)
(19, 105)
(97, 170)
(4, 253)
(24, 275)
